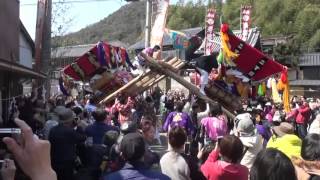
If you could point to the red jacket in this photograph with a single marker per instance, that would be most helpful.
(304, 114)
(214, 169)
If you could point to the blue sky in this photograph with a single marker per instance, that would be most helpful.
(82, 14)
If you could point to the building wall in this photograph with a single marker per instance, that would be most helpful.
(9, 22)
(311, 72)
(25, 52)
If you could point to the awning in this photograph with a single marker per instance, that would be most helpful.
(17, 68)
(305, 83)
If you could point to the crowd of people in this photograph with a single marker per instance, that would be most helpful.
(64, 138)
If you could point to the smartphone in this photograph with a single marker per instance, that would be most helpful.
(187, 148)
(9, 132)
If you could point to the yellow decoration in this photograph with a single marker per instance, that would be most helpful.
(227, 53)
(285, 96)
(275, 94)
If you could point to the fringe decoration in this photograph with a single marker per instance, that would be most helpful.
(101, 54)
(78, 70)
(283, 85)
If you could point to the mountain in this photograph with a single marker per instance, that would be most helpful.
(126, 25)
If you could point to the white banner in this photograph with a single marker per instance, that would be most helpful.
(157, 31)
(209, 43)
(245, 21)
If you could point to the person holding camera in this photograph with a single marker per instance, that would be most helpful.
(249, 136)
(223, 162)
(63, 139)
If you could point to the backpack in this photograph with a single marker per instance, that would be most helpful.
(195, 173)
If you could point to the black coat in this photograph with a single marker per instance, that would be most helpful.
(207, 62)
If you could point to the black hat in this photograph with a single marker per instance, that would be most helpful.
(132, 147)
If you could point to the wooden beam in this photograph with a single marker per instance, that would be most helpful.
(135, 84)
(153, 64)
(114, 94)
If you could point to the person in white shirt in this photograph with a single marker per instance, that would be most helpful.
(173, 163)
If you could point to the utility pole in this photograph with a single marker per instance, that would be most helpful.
(148, 23)
(46, 49)
(43, 43)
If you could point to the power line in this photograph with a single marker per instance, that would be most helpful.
(72, 1)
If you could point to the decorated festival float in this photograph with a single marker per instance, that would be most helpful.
(104, 67)
(240, 71)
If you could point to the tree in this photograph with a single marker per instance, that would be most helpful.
(61, 22)
(186, 15)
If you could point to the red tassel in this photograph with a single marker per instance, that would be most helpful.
(284, 76)
(224, 28)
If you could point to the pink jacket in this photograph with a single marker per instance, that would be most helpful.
(214, 169)
(214, 127)
(304, 114)
(124, 110)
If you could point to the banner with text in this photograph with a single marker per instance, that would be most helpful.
(209, 43)
(245, 21)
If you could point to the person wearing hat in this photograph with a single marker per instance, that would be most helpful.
(63, 139)
(252, 141)
(285, 140)
(52, 121)
(132, 149)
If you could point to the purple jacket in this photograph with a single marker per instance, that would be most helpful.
(181, 119)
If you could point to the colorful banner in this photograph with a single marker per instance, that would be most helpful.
(209, 43)
(245, 21)
(157, 31)
(179, 39)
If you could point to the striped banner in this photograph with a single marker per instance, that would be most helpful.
(209, 43)
(245, 21)
(157, 31)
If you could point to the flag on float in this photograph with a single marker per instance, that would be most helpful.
(250, 61)
(179, 39)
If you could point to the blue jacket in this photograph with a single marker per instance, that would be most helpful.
(137, 172)
(97, 130)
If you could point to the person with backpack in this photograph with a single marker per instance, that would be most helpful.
(179, 118)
